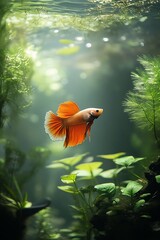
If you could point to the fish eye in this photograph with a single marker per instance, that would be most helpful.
(97, 110)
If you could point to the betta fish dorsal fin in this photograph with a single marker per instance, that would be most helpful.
(67, 109)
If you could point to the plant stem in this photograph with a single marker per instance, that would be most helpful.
(135, 175)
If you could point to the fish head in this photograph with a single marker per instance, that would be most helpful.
(94, 113)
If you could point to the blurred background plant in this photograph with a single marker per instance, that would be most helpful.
(15, 83)
(143, 103)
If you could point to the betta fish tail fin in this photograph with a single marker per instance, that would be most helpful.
(54, 126)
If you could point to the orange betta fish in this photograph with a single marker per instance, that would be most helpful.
(71, 123)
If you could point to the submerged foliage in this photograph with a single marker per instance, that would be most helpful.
(13, 176)
(15, 69)
(143, 103)
(14, 83)
(103, 207)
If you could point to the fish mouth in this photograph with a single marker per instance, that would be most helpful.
(101, 111)
(92, 117)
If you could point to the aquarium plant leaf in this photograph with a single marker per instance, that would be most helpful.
(71, 161)
(108, 188)
(111, 173)
(71, 178)
(57, 165)
(75, 208)
(126, 161)
(18, 189)
(112, 156)
(90, 167)
(27, 204)
(66, 41)
(138, 159)
(68, 189)
(158, 178)
(8, 201)
(66, 163)
(140, 203)
(131, 189)
(145, 195)
(68, 50)
(55, 236)
(2, 161)
(88, 174)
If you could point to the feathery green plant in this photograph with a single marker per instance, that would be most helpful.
(14, 83)
(143, 103)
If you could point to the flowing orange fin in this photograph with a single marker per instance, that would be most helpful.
(75, 135)
(54, 126)
(67, 109)
(88, 129)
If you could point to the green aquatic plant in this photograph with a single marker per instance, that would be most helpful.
(14, 83)
(96, 203)
(15, 69)
(45, 226)
(14, 199)
(143, 103)
(15, 207)
(14, 176)
(115, 206)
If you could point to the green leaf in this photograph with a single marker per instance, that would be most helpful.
(127, 161)
(88, 174)
(146, 216)
(71, 161)
(71, 178)
(8, 199)
(145, 195)
(112, 156)
(27, 204)
(18, 189)
(54, 236)
(68, 50)
(89, 166)
(138, 159)
(68, 189)
(66, 41)
(2, 161)
(75, 208)
(57, 165)
(131, 189)
(140, 203)
(158, 178)
(111, 173)
(111, 213)
(108, 188)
